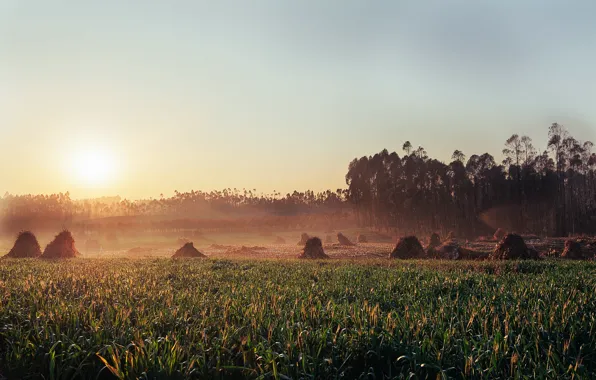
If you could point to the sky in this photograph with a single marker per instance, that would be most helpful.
(138, 98)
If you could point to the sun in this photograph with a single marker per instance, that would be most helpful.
(94, 167)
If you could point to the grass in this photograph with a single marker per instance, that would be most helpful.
(160, 318)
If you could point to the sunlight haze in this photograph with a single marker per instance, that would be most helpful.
(139, 98)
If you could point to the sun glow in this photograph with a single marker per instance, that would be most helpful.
(94, 167)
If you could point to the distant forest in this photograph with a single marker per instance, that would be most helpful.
(547, 193)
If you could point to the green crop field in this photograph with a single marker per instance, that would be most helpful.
(370, 319)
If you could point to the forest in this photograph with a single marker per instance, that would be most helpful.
(550, 193)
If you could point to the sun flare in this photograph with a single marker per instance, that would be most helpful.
(94, 167)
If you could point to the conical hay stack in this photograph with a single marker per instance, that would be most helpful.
(408, 247)
(313, 249)
(303, 238)
(574, 251)
(188, 250)
(434, 241)
(25, 246)
(62, 247)
(513, 247)
(499, 234)
(343, 240)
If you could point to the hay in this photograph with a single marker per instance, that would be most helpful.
(188, 250)
(513, 247)
(343, 240)
(434, 241)
(279, 240)
(328, 239)
(303, 238)
(313, 249)
(499, 234)
(470, 254)
(408, 247)
(574, 251)
(25, 246)
(361, 238)
(450, 250)
(62, 247)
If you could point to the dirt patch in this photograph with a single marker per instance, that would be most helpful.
(378, 237)
(140, 250)
(247, 251)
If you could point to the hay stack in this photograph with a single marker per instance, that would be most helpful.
(313, 249)
(25, 246)
(188, 250)
(499, 234)
(573, 251)
(434, 241)
(448, 251)
(513, 247)
(408, 247)
(343, 240)
(62, 247)
(328, 239)
(303, 238)
(361, 238)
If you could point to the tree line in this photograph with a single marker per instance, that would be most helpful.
(552, 192)
(222, 210)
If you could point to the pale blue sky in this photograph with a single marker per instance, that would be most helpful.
(278, 94)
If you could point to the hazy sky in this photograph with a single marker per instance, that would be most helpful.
(277, 94)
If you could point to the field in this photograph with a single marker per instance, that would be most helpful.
(241, 318)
